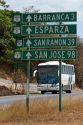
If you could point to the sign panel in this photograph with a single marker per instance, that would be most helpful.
(45, 54)
(45, 17)
(45, 42)
(25, 30)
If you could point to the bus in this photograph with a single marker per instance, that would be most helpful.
(47, 75)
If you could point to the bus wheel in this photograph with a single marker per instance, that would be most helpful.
(55, 92)
(68, 91)
(42, 92)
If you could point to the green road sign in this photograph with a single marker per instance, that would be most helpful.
(45, 42)
(45, 17)
(45, 54)
(25, 30)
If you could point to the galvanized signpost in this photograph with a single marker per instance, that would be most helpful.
(24, 29)
(28, 81)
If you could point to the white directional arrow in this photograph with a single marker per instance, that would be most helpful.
(28, 18)
(28, 43)
(28, 30)
(28, 55)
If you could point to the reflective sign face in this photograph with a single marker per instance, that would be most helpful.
(47, 54)
(45, 17)
(45, 42)
(47, 29)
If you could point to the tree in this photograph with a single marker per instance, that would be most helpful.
(3, 4)
(79, 64)
(7, 41)
(30, 9)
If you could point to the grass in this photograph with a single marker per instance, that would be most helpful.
(44, 112)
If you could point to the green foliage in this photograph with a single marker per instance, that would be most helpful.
(7, 42)
(3, 4)
(79, 64)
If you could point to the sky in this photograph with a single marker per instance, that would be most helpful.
(52, 6)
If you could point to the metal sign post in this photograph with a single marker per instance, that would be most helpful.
(60, 86)
(27, 84)
(60, 83)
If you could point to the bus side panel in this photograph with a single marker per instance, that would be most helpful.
(64, 79)
(68, 82)
(67, 87)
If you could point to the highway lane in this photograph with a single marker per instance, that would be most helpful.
(6, 100)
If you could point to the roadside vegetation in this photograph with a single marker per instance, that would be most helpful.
(44, 112)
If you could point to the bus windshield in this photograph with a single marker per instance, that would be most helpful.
(47, 74)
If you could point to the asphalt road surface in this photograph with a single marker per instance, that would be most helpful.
(6, 100)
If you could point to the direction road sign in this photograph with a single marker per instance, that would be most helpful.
(45, 54)
(25, 30)
(45, 17)
(45, 42)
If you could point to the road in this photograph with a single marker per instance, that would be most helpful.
(6, 100)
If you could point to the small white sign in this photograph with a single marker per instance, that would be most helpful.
(19, 43)
(16, 30)
(17, 18)
(17, 55)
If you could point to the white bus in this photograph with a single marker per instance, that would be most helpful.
(47, 75)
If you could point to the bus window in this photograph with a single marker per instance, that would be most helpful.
(48, 75)
(42, 75)
(52, 75)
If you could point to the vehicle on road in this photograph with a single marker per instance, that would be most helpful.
(47, 75)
